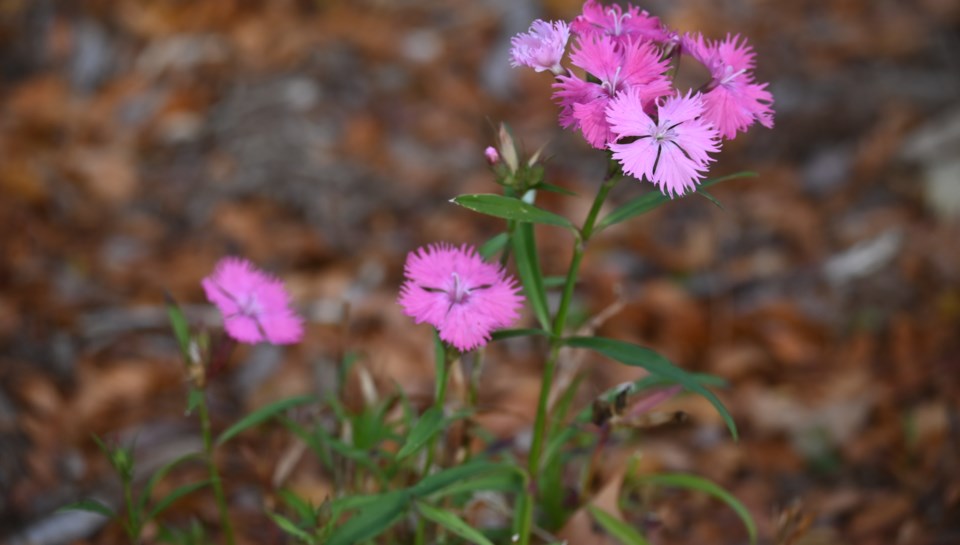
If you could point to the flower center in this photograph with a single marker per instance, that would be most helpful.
(610, 85)
(618, 19)
(729, 74)
(249, 306)
(460, 293)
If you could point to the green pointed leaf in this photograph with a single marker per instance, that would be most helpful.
(429, 425)
(511, 208)
(262, 414)
(194, 399)
(502, 481)
(706, 195)
(623, 532)
(90, 505)
(445, 478)
(511, 333)
(648, 201)
(173, 496)
(302, 507)
(291, 528)
(372, 519)
(693, 482)
(159, 474)
(554, 189)
(638, 356)
(181, 328)
(528, 267)
(453, 523)
(493, 246)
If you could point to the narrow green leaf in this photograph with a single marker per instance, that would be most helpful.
(291, 528)
(511, 208)
(302, 507)
(528, 267)
(626, 534)
(445, 478)
(648, 201)
(554, 189)
(511, 333)
(194, 399)
(173, 496)
(493, 246)
(693, 482)
(262, 414)
(706, 195)
(89, 505)
(638, 356)
(502, 481)
(159, 474)
(430, 423)
(453, 523)
(178, 321)
(372, 519)
(554, 282)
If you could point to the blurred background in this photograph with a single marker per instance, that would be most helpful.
(142, 140)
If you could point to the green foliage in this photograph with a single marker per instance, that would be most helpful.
(261, 415)
(511, 208)
(699, 484)
(626, 534)
(649, 201)
(639, 356)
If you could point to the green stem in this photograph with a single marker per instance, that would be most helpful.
(559, 324)
(215, 480)
(133, 514)
(439, 400)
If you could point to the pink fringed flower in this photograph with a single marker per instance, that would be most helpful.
(542, 47)
(458, 293)
(254, 304)
(583, 104)
(732, 100)
(633, 25)
(670, 152)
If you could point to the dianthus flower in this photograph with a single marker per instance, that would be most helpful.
(633, 25)
(542, 47)
(732, 99)
(458, 293)
(634, 66)
(669, 150)
(254, 304)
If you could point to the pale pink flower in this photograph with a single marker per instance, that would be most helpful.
(457, 292)
(542, 47)
(583, 104)
(254, 304)
(732, 99)
(631, 25)
(669, 150)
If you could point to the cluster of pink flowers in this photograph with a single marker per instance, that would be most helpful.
(625, 100)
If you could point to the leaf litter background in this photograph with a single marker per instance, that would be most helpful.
(142, 141)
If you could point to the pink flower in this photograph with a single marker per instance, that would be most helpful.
(254, 304)
(542, 47)
(458, 293)
(732, 100)
(670, 150)
(633, 25)
(583, 104)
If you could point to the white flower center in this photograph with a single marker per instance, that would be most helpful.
(618, 19)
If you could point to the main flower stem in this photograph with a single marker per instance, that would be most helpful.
(556, 341)
(215, 480)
